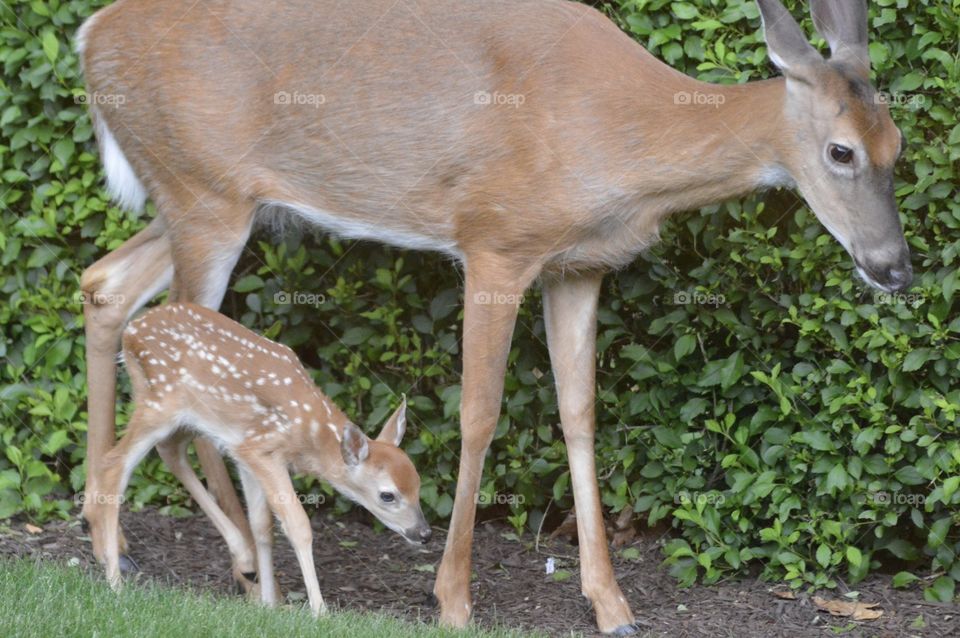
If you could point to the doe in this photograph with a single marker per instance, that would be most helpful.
(195, 371)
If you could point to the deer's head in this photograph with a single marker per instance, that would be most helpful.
(839, 143)
(381, 477)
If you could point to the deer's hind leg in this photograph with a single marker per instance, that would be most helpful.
(113, 289)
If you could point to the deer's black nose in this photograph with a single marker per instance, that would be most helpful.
(900, 278)
(425, 535)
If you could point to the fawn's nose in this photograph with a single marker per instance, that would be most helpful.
(425, 535)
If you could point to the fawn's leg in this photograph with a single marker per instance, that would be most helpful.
(570, 311)
(144, 431)
(492, 296)
(173, 451)
(275, 482)
(261, 523)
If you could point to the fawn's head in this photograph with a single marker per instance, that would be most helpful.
(840, 144)
(381, 477)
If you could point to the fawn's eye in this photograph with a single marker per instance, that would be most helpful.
(841, 154)
(387, 497)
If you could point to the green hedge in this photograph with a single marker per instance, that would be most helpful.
(791, 419)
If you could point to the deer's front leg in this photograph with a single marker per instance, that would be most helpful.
(492, 296)
(570, 310)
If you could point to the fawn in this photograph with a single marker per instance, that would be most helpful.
(194, 371)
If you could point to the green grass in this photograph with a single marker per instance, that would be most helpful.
(45, 600)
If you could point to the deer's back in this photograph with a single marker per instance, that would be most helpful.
(448, 121)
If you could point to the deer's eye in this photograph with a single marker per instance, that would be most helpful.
(841, 154)
(387, 497)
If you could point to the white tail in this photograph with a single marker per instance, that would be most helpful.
(122, 183)
(525, 138)
(195, 372)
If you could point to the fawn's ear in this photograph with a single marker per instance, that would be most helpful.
(395, 426)
(353, 445)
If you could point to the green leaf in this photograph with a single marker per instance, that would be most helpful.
(908, 475)
(823, 555)
(251, 283)
(915, 359)
(902, 579)
(692, 409)
(561, 575)
(854, 557)
(51, 46)
(684, 10)
(819, 440)
(942, 590)
(684, 346)
(837, 479)
(950, 486)
(63, 151)
(732, 370)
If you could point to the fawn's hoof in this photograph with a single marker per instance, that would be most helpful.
(626, 630)
(128, 565)
(246, 584)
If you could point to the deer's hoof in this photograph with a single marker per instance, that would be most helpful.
(626, 630)
(128, 565)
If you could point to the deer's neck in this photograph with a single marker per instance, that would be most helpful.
(680, 145)
(711, 143)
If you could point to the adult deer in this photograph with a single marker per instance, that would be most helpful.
(194, 371)
(526, 138)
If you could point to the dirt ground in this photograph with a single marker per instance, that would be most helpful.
(363, 569)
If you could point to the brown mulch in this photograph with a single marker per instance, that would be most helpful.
(360, 568)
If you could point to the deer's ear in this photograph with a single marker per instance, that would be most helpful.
(843, 24)
(395, 426)
(786, 44)
(353, 445)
